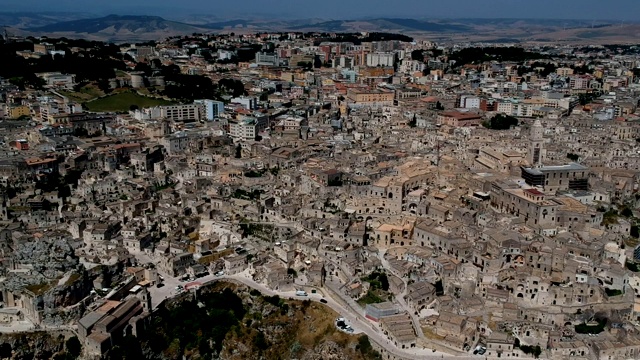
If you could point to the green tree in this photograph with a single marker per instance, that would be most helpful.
(364, 344)
(260, 341)
(626, 212)
(238, 151)
(417, 55)
(304, 64)
(5, 350)
(115, 353)
(500, 122)
(384, 281)
(131, 348)
(73, 346)
(413, 121)
(536, 351)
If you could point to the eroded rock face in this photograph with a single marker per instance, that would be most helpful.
(269, 328)
(327, 350)
(51, 258)
(53, 273)
(37, 345)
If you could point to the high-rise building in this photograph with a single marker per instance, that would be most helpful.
(209, 109)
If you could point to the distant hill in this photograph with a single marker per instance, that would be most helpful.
(119, 27)
(226, 24)
(27, 19)
(382, 25)
(131, 23)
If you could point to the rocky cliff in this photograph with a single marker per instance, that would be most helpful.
(227, 321)
(52, 276)
(33, 345)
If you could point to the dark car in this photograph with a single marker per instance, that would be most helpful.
(323, 301)
(159, 285)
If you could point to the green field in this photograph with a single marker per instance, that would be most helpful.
(122, 102)
(86, 93)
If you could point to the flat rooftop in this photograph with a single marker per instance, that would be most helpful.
(568, 167)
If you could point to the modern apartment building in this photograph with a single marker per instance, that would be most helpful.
(469, 102)
(186, 113)
(209, 109)
(245, 129)
(381, 59)
(267, 59)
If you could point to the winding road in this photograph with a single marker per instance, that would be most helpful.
(359, 323)
(356, 319)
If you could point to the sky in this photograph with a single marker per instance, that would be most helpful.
(345, 9)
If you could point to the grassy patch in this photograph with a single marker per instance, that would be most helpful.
(85, 93)
(613, 292)
(378, 280)
(592, 329)
(610, 217)
(429, 334)
(39, 289)
(72, 278)
(122, 102)
(631, 242)
(370, 298)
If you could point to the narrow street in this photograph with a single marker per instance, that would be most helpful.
(400, 297)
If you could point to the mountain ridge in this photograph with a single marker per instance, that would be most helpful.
(150, 27)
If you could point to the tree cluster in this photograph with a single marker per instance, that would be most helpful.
(232, 87)
(188, 328)
(476, 55)
(93, 64)
(501, 122)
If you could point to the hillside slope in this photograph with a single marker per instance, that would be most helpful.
(228, 321)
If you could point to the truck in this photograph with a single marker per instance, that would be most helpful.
(301, 293)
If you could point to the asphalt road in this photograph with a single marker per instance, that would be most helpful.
(358, 322)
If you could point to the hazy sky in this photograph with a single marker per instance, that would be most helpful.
(346, 9)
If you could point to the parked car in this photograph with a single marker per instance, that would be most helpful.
(323, 301)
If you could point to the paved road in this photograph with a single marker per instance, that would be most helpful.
(400, 297)
(358, 322)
